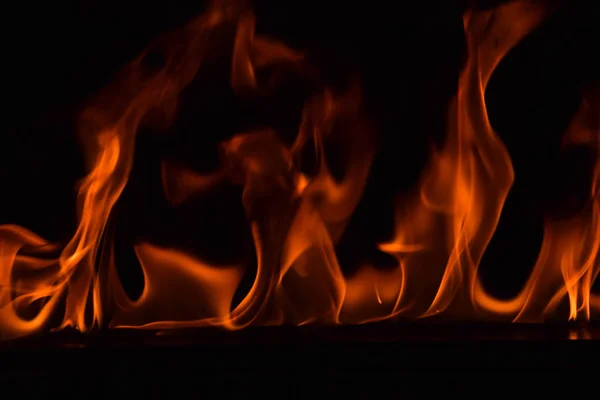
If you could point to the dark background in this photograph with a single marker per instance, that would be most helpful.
(409, 56)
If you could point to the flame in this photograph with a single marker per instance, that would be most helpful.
(195, 290)
(298, 218)
(569, 259)
(568, 262)
(108, 137)
(472, 176)
(445, 232)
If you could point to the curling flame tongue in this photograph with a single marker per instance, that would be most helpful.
(252, 52)
(296, 219)
(17, 296)
(110, 152)
(290, 260)
(73, 273)
(468, 180)
(481, 166)
(472, 176)
(293, 217)
(569, 260)
(297, 260)
(178, 289)
(337, 119)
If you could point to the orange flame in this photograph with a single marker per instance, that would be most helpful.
(473, 175)
(296, 219)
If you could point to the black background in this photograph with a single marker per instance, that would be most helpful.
(409, 56)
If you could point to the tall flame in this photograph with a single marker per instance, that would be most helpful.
(465, 187)
(473, 174)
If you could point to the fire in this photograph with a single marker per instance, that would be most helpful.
(298, 218)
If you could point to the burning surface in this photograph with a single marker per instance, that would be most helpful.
(298, 213)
